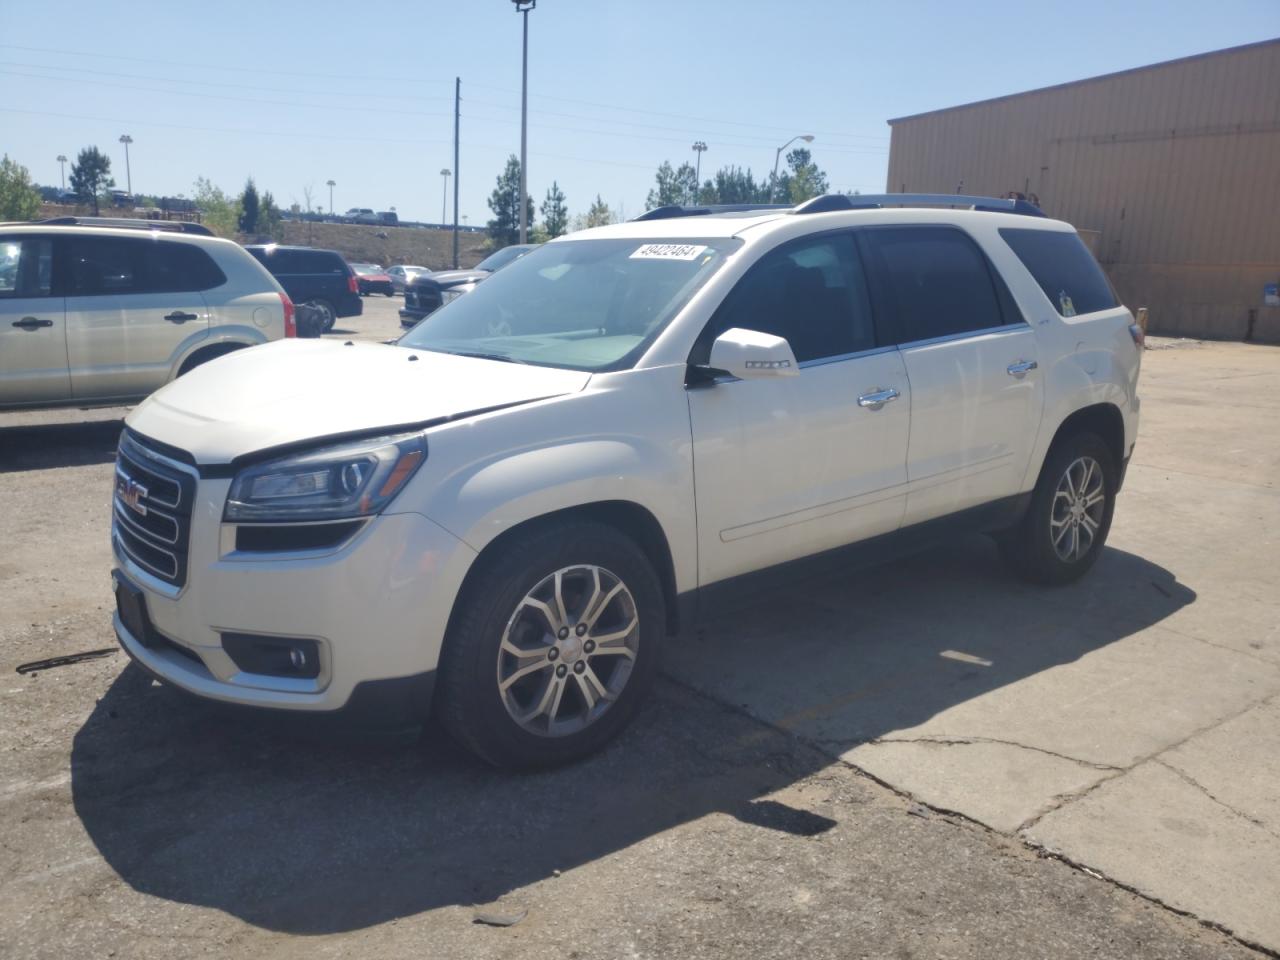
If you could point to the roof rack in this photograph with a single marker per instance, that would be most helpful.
(127, 223)
(841, 201)
(706, 210)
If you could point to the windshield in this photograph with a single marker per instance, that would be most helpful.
(366, 268)
(581, 304)
(502, 257)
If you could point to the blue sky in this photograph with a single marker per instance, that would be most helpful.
(297, 93)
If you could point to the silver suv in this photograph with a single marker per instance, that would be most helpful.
(96, 311)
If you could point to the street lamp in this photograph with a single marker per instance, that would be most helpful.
(62, 164)
(699, 147)
(523, 7)
(806, 137)
(444, 195)
(331, 186)
(126, 140)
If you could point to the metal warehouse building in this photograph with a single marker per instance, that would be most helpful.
(1171, 172)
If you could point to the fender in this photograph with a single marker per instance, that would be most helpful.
(238, 334)
(639, 455)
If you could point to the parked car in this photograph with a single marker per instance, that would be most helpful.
(318, 278)
(428, 292)
(499, 519)
(362, 215)
(389, 217)
(371, 278)
(104, 311)
(403, 274)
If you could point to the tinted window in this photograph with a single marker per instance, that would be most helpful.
(283, 262)
(26, 268)
(1064, 268)
(930, 282)
(811, 291)
(103, 266)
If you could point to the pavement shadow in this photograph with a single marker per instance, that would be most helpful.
(306, 828)
(48, 446)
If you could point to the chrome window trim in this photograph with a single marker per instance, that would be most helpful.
(965, 335)
(841, 357)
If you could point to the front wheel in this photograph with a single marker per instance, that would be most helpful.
(552, 647)
(1066, 525)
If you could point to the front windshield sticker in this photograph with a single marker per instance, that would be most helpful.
(669, 251)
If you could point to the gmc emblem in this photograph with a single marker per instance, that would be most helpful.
(131, 494)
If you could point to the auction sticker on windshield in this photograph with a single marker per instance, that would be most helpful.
(669, 251)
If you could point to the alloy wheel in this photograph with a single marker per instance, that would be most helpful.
(1079, 504)
(568, 650)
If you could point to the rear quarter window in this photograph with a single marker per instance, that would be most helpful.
(1064, 268)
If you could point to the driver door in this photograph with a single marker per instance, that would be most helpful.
(789, 467)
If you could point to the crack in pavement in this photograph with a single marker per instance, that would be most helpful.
(948, 740)
(1222, 803)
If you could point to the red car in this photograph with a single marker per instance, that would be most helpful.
(370, 278)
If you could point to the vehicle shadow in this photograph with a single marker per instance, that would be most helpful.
(46, 446)
(307, 828)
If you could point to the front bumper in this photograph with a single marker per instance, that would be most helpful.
(376, 607)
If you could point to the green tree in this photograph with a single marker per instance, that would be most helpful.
(599, 215)
(805, 180)
(91, 176)
(734, 185)
(504, 228)
(555, 214)
(269, 217)
(18, 199)
(249, 208)
(219, 212)
(674, 185)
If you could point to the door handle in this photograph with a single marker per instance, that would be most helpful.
(31, 323)
(1020, 367)
(179, 317)
(878, 398)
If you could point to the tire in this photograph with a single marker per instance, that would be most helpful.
(328, 314)
(1062, 534)
(207, 354)
(499, 614)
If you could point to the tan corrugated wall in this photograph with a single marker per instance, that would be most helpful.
(1176, 166)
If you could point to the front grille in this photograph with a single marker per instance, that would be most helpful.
(422, 298)
(151, 511)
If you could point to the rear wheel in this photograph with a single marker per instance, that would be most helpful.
(1067, 523)
(553, 646)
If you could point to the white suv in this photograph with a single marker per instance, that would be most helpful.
(504, 515)
(106, 313)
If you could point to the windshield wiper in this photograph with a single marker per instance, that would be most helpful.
(486, 356)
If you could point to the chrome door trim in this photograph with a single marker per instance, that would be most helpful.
(966, 335)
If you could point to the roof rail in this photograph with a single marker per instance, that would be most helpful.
(127, 223)
(842, 201)
(705, 210)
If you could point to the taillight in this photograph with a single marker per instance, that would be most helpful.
(290, 325)
(351, 283)
(1139, 335)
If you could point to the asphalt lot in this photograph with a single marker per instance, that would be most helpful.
(928, 759)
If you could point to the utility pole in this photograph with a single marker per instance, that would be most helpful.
(699, 147)
(331, 184)
(457, 112)
(523, 7)
(126, 140)
(444, 196)
(62, 163)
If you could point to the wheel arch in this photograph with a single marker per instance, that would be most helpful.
(207, 351)
(1104, 419)
(629, 518)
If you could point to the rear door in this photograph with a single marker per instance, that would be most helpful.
(33, 334)
(133, 308)
(972, 361)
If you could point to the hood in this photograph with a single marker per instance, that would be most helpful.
(451, 278)
(291, 391)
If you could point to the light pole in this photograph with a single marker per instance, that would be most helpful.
(523, 7)
(699, 147)
(62, 164)
(806, 137)
(444, 196)
(126, 140)
(331, 186)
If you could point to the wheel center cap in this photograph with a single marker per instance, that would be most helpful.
(570, 649)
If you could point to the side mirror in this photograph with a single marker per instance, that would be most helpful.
(752, 355)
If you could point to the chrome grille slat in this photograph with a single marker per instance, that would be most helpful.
(151, 511)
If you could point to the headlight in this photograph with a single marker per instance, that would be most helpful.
(347, 480)
(447, 296)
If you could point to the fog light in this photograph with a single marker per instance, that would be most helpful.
(273, 656)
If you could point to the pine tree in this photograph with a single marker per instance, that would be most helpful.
(504, 228)
(91, 175)
(555, 214)
(249, 208)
